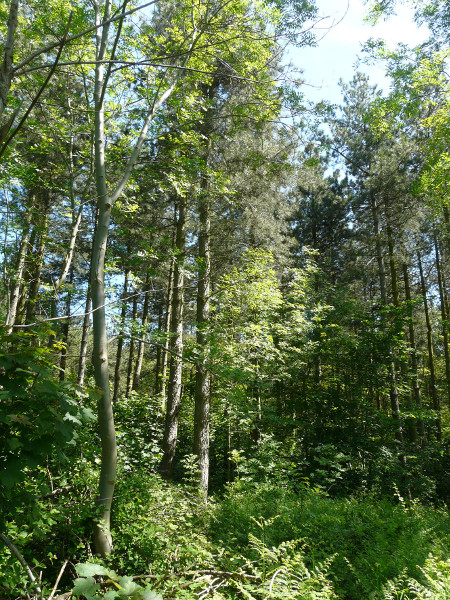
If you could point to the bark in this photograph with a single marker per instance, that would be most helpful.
(86, 319)
(123, 312)
(7, 66)
(141, 348)
(176, 349)
(165, 350)
(70, 251)
(433, 387)
(393, 388)
(15, 293)
(157, 386)
(84, 339)
(102, 533)
(132, 347)
(38, 261)
(416, 397)
(379, 251)
(65, 333)
(444, 317)
(202, 377)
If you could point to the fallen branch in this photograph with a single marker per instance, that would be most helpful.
(58, 579)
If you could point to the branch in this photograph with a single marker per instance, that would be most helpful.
(21, 559)
(58, 579)
(78, 35)
(42, 88)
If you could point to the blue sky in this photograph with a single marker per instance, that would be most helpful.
(336, 54)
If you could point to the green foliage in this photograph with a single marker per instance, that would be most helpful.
(138, 422)
(38, 414)
(432, 584)
(359, 532)
(113, 586)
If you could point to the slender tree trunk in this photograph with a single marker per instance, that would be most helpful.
(86, 318)
(65, 332)
(140, 356)
(416, 399)
(378, 247)
(157, 386)
(123, 312)
(15, 293)
(6, 67)
(444, 316)
(84, 338)
(168, 319)
(38, 261)
(202, 377)
(176, 349)
(102, 533)
(433, 387)
(393, 389)
(132, 346)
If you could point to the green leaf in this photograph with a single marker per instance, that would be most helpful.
(149, 594)
(86, 587)
(128, 587)
(111, 595)
(90, 570)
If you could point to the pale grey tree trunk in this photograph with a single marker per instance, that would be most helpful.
(123, 312)
(15, 293)
(38, 259)
(132, 346)
(176, 349)
(102, 533)
(165, 349)
(86, 319)
(140, 356)
(202, 376)
(433, 386)
(84, 338)
(444, 316)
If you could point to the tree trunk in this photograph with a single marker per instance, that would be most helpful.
(176, 349)
(444, 316)
(38, 260)
(15, 293)
(140, 356)
(378, 247)
(102, 533)
(65, 332)
(202, 377)
(165, 349)
(86, 318)
(433, 387)
(6, 67)
(416, 398)
(123, 312)
(132, 346)
(84, 338)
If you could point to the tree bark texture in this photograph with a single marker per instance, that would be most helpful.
(416, 394)
(123, 312)
(176, 349)
(433, 387)
(15, 293)
(141, 348)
